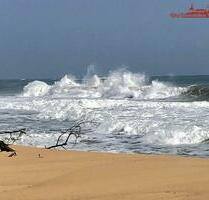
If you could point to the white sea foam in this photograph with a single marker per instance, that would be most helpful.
(124, 104)
(156, 122)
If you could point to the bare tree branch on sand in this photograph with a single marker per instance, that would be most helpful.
(75, 130)
(14, 136)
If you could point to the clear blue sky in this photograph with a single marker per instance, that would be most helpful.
(49, 38)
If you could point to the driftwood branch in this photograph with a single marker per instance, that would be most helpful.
(5, 147)
(74, 130)
(14, 135)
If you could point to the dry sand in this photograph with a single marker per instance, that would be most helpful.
(61, 175)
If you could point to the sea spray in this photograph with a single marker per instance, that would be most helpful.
(118, 84)
(134, 113)
(36, 88)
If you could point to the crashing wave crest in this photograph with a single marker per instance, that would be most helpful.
(118, 84)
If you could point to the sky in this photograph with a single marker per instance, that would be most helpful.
(50, 38)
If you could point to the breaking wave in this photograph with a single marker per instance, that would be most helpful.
(118, 84)
(133, 111)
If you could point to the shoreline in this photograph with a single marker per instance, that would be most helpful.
(112, 152)
(58, 174)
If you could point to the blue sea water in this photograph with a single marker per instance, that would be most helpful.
(134, 113)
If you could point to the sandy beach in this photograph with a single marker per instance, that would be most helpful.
(64, 175)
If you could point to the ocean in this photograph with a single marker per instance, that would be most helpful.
(128, 112)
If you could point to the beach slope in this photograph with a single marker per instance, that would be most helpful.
(66, 175)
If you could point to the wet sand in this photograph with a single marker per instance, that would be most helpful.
(66, 175)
